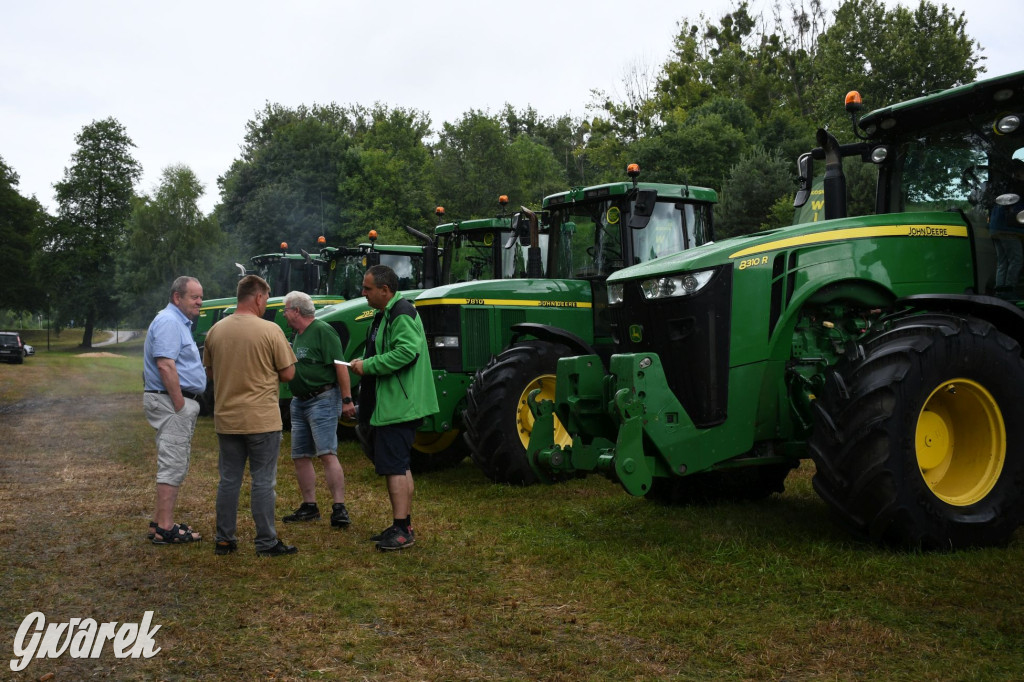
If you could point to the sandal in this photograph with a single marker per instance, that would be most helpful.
(183, 526)
(175, 536)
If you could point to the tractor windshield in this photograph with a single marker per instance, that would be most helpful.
(589, 242)
(408, 267)
(345, 278)
(948, 168)
(590, 235)
(673, 227)
(479, 254)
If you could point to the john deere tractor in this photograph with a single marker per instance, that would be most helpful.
(532, 294)
(284, 272)
(458, 250)
(874, 345)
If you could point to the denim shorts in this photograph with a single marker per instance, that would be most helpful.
(315, 424)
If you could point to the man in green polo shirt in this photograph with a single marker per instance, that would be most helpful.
(320, 386)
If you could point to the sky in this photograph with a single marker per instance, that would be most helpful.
(184, 77)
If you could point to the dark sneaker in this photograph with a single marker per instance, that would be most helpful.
(307, 511)
(225, 547)
(381, 535)
(279, 549)
(339, 516)
(396, 538)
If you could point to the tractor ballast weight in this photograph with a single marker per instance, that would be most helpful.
(878, 346)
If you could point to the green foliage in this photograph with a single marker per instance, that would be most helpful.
(80, 247)
(891, 55)
(386, 185)
(482, 157)
(749, 195)
(19, 217)
(285, 187)
(168, 236)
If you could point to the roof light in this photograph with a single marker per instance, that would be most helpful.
(321, 240)
(854, 101)
(373, 235)
(284, 246)
(503, 199)
(633, 170)
(439, 211)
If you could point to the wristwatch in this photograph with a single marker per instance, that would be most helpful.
(346, 400)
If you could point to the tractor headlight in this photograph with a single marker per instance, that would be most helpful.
(615, 293)
(679, 285)
(446, 342)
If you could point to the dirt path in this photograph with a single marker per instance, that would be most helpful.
(72, 516)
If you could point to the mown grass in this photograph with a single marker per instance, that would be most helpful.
(576, 581)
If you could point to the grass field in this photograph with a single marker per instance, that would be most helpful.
(574, 582)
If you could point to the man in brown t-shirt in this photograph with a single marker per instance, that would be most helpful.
(246, 356)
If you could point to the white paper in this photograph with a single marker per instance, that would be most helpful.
(342, 362)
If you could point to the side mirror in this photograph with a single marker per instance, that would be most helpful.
(803, 168)
(643, 208)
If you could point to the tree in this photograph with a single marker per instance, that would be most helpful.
(167, 236)
(285, 186)
(387, 180)
(94, 201)
(479, 158)
(19, 218)
(750, 193)
(890, 55)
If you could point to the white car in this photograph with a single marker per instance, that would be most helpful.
(29, 350)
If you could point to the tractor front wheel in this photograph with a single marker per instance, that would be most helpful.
(498, 418)
(921, 443)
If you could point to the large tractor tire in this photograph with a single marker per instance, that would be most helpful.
(497, 417)
(920, 443)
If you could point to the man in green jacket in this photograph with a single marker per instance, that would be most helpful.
(398, 395)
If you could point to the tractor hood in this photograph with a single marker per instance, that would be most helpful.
(759, 245)
(542, 292)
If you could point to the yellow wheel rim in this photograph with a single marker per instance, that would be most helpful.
(960, 442)
(430, 443)
(524, 418)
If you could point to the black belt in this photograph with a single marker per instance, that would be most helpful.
(193, 396)
(315, 392)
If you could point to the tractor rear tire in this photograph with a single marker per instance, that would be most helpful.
(920, 443)
(497, 418)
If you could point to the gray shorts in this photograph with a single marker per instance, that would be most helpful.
(174, 432)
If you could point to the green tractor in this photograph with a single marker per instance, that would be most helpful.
(498, 336)
(456, 251)
(874, 345)
(417, 269)
(284, 272)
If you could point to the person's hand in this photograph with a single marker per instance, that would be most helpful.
(348, 411)
(357, 366)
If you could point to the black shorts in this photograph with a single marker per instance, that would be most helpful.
(392, 446)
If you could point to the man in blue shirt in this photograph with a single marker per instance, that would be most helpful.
(174, 378)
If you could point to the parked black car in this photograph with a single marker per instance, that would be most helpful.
(11, 348)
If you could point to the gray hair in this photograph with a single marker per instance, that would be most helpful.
(180, 286)
(301, 301)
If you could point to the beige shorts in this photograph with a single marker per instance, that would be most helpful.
(174, 432)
